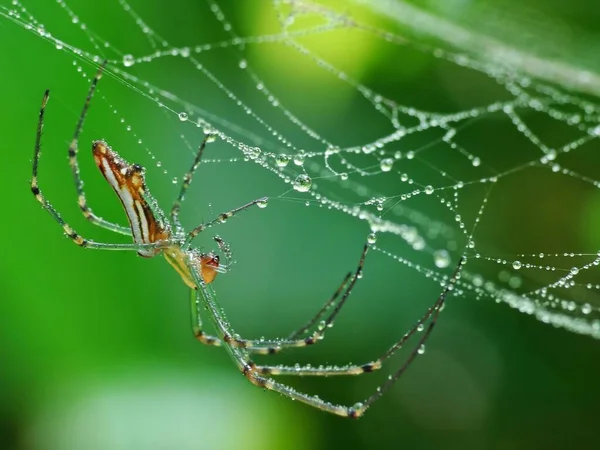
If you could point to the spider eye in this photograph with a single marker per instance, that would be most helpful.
(137, 168)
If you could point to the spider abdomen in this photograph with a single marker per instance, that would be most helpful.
(127, 180)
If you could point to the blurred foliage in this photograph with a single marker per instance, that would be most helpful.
(95, 347)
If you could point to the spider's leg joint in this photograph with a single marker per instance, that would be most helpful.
(310, 340)
(354, 413)
(371, 367)
(205, 338)
(248, 368)
(256, 379)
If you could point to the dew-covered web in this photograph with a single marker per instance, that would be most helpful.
(478, 160)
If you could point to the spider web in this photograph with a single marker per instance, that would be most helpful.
(487, 153)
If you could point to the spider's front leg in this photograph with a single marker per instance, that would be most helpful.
(221, 218)
(74, 163)
(69, 231)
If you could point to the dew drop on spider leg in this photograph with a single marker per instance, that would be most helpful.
(262, 203)
(421, 349)
(183, 116)
(357, 406)
(372, 238)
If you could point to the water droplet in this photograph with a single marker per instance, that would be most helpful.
(183, 116)
(211, 138)
(372, 238)
(441, 258)
(252, 153)
(476, 162)
(302, 183)
(344, 176)
(429, 190)
(262, 203)
(243, 64)
(574, 270)
(420, 327)
(299, 159)
(421, 349)
(282, 160)
(586, 308)
(128, 60)
(386, 164)
(174, 180)
(516, 265)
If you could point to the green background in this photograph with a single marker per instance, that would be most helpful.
(95, 347)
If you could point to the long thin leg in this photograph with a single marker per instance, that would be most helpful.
(197, 322)
(185, 184)
(275, 370)
(74, 163)
(71, 234)
(311, 323)
(239, 355)
(249, 369)
(355, 369)
(272, 346)
(221, 218)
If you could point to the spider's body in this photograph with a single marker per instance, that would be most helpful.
(153, 233)
(147, 221)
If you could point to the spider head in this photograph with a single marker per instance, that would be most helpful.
(208, 265)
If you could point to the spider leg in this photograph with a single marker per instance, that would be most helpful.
(187, 180)
(248, 368)
(197, 322)
(220, 219)
(205, 294)
(71, 234)
(358, 369)
(323, 309)
(73, 162)
(269, 347)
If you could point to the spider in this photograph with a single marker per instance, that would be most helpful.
(153, 233)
